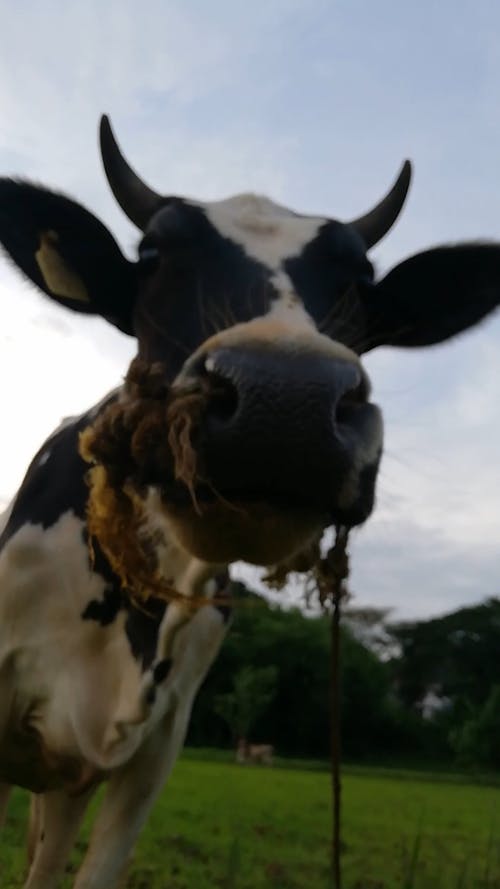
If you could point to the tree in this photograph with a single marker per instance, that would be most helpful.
(253, 691)
(477, 741)
(456, 654)
(298, 716)
(384, 680)
(369, 626)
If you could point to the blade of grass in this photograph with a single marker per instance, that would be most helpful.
(489, 850)
(409, 882)
(233, 863)
(462, 877)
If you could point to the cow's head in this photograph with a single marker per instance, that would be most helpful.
(268, 311)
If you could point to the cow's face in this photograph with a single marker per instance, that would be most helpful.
(206, 268)
(266, 312)
(257, 307)
(232, 297)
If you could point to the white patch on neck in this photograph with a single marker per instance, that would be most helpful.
(186, 573)
(266, 231)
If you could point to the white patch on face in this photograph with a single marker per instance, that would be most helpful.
(266, 231)
(289, 310)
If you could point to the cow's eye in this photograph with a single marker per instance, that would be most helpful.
(148, 257)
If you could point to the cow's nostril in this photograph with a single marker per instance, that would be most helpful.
(221, 393)
(352, 399)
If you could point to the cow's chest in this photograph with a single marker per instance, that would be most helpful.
(76, 715)
(77, 664)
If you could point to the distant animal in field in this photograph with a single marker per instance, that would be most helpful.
(254, 753)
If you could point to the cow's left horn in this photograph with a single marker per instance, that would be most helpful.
(378, 221)
(136, 199)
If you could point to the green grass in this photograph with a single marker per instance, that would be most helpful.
(221, 826)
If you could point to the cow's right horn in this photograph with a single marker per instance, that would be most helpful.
(374, 225)
(136, 199)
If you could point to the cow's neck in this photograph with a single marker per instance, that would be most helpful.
(140, 545)
(187, 574)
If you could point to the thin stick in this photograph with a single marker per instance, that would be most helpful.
(335, 707)
(331, 574)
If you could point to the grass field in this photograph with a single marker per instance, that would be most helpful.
(221, 826)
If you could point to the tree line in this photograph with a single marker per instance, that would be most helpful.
(415, 692)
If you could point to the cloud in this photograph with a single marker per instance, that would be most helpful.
(441, 437)
(396, 562)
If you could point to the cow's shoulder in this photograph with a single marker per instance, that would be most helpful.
(45, 524)
(45, 551)
(54, 483)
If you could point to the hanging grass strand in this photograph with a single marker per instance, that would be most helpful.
(331, 574)
(335, 740)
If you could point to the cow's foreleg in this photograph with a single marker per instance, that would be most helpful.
(133, 788)
(34, 826)
(130, 795)
(56, 817)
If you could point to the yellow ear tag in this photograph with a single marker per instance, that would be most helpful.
(59, 277)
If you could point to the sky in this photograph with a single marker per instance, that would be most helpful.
(314, 104)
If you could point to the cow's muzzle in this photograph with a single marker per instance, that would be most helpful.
(289, 428)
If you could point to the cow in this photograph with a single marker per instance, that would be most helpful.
(262, 314)
(254, 753)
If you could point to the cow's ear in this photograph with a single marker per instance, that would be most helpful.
(433, 296)
(66, 252)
